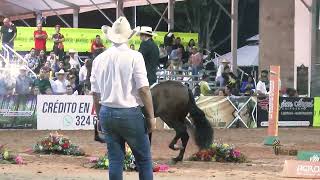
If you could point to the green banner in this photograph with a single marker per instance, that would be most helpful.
(18, 112)
(308, 155)
(316, 114)
(80, 39)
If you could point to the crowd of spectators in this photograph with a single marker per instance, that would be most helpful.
(53, 76)
(56, 73)
(61, 73)
(173, 55)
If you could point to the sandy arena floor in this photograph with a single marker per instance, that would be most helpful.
(263, 163)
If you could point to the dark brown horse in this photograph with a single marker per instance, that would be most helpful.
(172, 102)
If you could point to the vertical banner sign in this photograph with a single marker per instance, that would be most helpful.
(316, 114)
(273, 104)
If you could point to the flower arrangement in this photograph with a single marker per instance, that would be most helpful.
(128, 164)
(57, 144)
(7, 156)
(103, 162)
(219, 152)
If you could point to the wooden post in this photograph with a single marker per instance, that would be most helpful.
(38, 17)
(76, 17)
(134, 16)
(171, 14)
(119, 8)
(273, 116)
(314, 71)
(234, 34)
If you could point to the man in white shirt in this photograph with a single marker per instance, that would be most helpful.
(59, 86)
(74, 62)
(263, 84)
(219, 78)
(83, 71)
(119, 82)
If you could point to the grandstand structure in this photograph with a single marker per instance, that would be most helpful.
(26, 9)
(43, 8)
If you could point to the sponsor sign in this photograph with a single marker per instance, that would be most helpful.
(301, 169)
(293, 112)
(263, 111)
(296, 111)
(313, 156)
(316, 113)
(65, 112)
(18, 112)
(228, 112)
(80, 38)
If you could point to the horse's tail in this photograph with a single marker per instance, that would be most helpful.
(203, 130)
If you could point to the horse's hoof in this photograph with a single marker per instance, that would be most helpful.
(172, 147)
(97, 138)
(175, 161)
(172, 162)
(176, 147)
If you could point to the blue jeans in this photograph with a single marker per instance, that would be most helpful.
(220, 81)
(195, 70)
(122, 125)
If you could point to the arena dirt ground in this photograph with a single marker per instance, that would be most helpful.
(263, 163)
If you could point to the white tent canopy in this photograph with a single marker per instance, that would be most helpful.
(254, 38)
(246, 56)
(24, 9)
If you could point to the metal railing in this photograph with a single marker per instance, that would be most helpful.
(8, 49)
(6, 55)
(2, 57)
(183, 76)
(186, 77)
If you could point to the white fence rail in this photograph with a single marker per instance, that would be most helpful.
(183, 76)
(10, 60)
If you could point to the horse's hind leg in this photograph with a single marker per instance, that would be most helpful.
(181, 130)
(184, 139)
(174, 141)
(172, 124)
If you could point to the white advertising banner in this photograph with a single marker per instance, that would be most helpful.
(65, 112)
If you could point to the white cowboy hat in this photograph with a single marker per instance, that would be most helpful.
(120, 32)
(145, 30)
(61, 72)
(23, 68)
(72, 51)
(225, 61)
